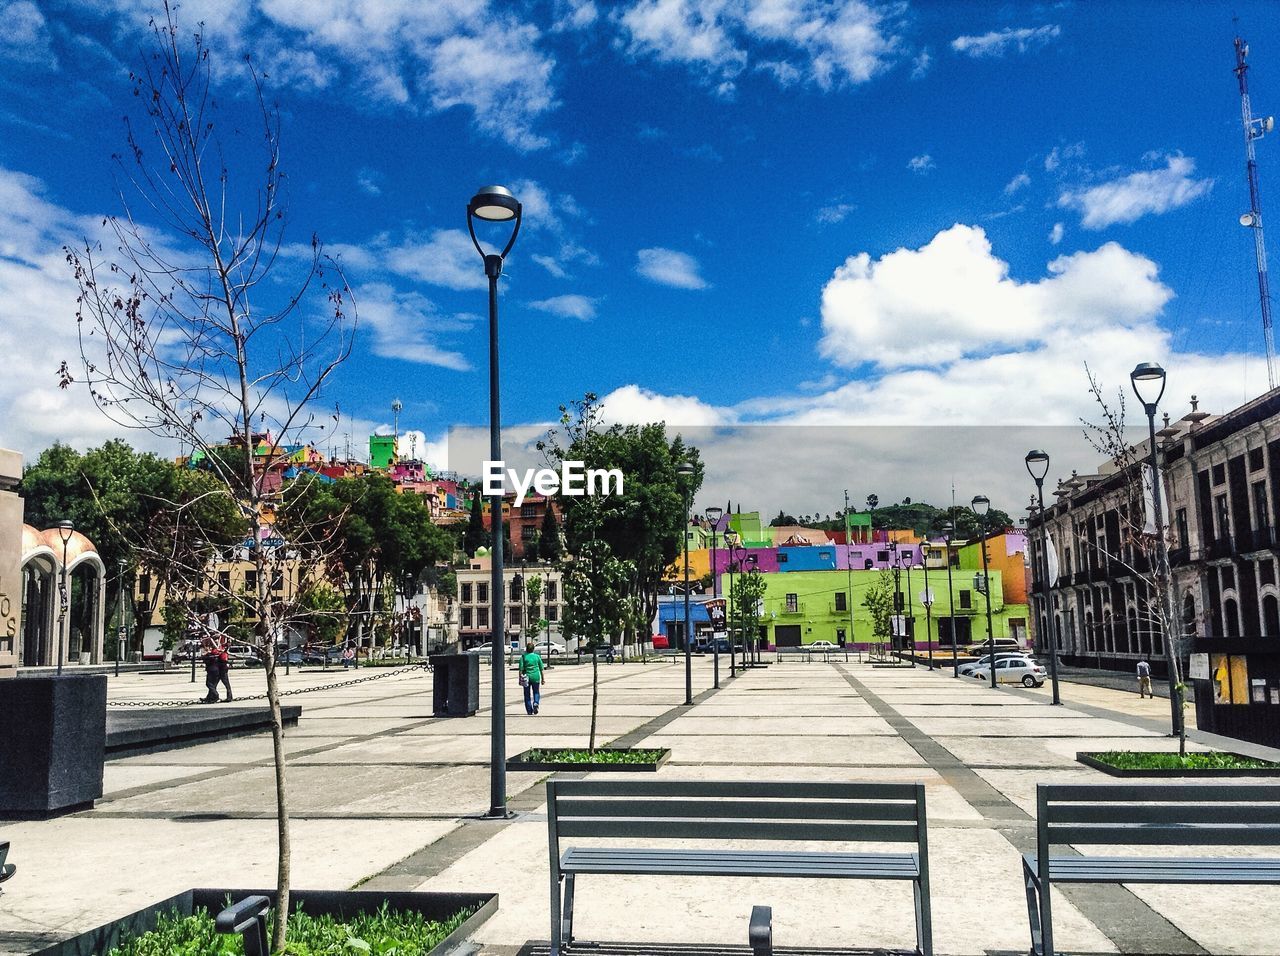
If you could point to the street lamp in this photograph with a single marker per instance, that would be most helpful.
(65, 530)
(714, 515)
(746, 560)
(1148, 384)
(120, 632)
(496, 204)
(949, 530)
(897, 598)
(1037, 467)
(981, 504)
(684, 471)
(910, 626)
(927, 598)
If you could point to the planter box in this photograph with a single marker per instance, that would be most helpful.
(52, 751)
(338, 903)
(520, 762)
(1090, 760)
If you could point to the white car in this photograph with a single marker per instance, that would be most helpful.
(822, 646)
(965, 669)
(1013, 670)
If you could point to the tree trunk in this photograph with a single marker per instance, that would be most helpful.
(284, 861)
(595, 697)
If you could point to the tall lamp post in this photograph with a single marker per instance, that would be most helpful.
(950, 529)
(927, 599)
(735, 554)
(685, 472)
(897, 597)
(910, 627)
(747, 561)
(981, 504)
(1149, 378)
(65, 530)
(496, 204)
(1037, 467)
(714, 515)
(120, 631)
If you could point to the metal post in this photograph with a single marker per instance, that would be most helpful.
(897, 597)
(63, 617)
(119, 613)
(1163, 577)
(1051, 625)
(688, 645)
(928, 600)
(848, 565)
(911, 616)
(986, 590)
(498, 711)
(951, 609)
(728, 617)
(715, 593)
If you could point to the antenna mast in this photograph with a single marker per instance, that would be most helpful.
(1256, 129)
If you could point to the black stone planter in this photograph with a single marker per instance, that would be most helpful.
(1090, 760)
(336, 903)
(52, 750)
(520, 763)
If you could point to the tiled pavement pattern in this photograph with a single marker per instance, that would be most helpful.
(387, 797)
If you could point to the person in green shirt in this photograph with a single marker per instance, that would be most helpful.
(531, 678)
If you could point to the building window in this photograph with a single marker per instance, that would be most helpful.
(482, 594)
(553, 588)
(1184, 539)
(1255, 459)
(277, 581)
(1228, 578)
(517, 588)
(251, 580)
(528, 511)
(553, 612)
(224, 581)
(1260, 520)
(1224, 517)
(782, 558)
(515, 615)
(528, 532)
(466, 617)
(842, 601)
(966, 599)
(1219, 474)
(466, 593)
(882, 555)
(793, 603)
(482, 617)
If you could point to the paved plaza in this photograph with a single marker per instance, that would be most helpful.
(386, 797)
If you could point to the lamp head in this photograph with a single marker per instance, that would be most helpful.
(981, 504)
(494, 204)
(65, 530)
(714, 514)
(684, 469)
(1037, 464)
(1148, 384)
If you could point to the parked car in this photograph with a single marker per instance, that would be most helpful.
(823, 646)
(1013, 670)
(1000, 656)
(661, 643)
(243, 655)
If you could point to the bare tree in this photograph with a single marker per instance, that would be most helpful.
(183, 336)
(1139, 552)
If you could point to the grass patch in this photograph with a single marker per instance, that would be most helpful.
(384, 933)
(1139, 760)
(584, 756)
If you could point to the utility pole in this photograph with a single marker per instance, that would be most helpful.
(848, 563)
(1256, 128)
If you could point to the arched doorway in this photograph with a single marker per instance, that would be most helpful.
(1270, 615)
(1231, 611)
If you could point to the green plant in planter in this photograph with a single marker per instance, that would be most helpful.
(1137, 760)
(384, 933)
(579, 755)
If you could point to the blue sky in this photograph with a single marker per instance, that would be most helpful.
(775, 212)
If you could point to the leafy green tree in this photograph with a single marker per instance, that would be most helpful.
(476, 537)
(744, 604)
(550, 547)
(323, 611)
(879, 601)
(533, 621)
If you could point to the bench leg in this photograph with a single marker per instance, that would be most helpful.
(1033, 910)
(924, 920)
(567, 932)
(556, 943)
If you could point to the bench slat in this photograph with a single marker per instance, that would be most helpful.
(1172, 815)
(735, 830)
(742, 863)
(735, 788)
(736, 809)
(1177, 870)
(1159, 793)
(1154, 834)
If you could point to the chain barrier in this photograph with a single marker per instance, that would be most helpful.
(284, 693)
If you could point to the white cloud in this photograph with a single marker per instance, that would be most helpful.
(575, 14)
(633, 405)
(445, 257)
(551, 265)
(370, 180)
(828, 45)
(579, 307)
(838, 212)
(405, 326)
(920, 65)
(998, 42)
(953, 298)
(668, 267)
(25, 38)
(1056, 233)
(420, 56)
(1131, 197)
(1017, 182)
(921, 164)
(1061, 154)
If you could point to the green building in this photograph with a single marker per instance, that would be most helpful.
(801, 607)
(752, 532)
(382, 451)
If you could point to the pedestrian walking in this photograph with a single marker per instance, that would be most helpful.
(1144, 680)
(531, 678)
(211, 670)
(224, 664)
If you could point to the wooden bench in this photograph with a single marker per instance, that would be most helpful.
(1152, 814)
(642, 812)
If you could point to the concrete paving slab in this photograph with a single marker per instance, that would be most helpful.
(843, 726)
(767, 751)
(1025, 727)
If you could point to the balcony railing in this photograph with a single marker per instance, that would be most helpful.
(1220, 548)
(791, 609)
